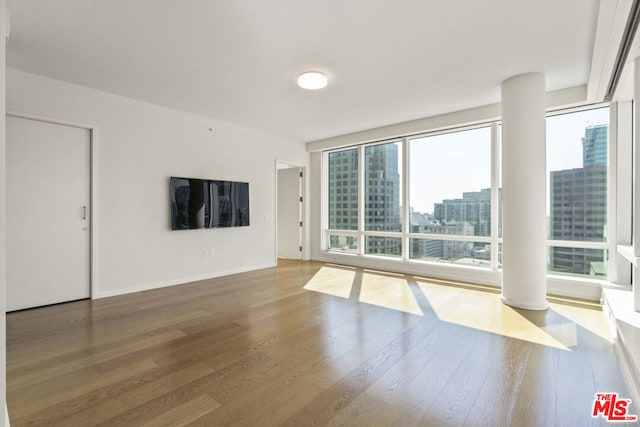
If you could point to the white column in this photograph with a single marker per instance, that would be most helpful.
(524, 251)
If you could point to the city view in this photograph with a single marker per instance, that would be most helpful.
(450, 195)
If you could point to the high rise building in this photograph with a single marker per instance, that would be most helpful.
(467, 216)
(594, 146)
(381, 197)
(578, 207)
(474, 208)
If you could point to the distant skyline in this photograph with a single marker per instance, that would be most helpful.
(445, 166)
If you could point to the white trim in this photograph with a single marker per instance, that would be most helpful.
(453, 129)
(451, 237)
(462, 273)
(495, 188)
(181, 281)
(612, 192)
(628, 253)
(93, 165)
(574, 287)
(399, 234)
(624, 186)
(324, 199)
(405, 199)
(362, 200)
(48, 119)
(579, 244)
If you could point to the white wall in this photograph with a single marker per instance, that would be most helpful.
(139, 146)
(3, 236)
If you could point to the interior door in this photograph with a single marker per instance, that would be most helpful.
(289, 213)
(48, 226)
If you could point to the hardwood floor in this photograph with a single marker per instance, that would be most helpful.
(309, 344)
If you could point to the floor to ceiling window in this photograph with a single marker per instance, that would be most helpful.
(436, 197)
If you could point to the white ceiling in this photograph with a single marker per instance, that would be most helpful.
(237, 61)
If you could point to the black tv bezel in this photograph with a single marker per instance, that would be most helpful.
(173, 211)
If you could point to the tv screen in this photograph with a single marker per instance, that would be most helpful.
(207, 203)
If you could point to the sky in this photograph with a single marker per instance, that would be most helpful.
(445, 166)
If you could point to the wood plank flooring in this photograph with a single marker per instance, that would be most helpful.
(306, 344)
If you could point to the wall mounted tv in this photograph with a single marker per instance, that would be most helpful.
(207, 203)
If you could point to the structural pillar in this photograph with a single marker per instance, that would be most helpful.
(524, 192)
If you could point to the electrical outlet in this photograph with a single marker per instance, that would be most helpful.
(212, 252)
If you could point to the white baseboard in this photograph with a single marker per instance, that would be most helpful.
(179, 281)
(574, 287)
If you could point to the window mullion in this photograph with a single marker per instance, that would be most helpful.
(361, 199)
(405, 199)
(495, 188)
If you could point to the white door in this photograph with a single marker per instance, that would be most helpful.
(48, 196)
(289, 213)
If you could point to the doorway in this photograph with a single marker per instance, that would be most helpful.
(48, 212)
(290, 222)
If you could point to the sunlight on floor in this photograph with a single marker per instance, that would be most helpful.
(389, 292)
(484, 311)
(590, 319)
(471, 306)
(333, 281)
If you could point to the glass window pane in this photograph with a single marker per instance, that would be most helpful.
(578, 262)
(450, 183)
(577, 162)
(382, 190)
(343, 190)
(387, 246)
(347, 244)
(467, 253)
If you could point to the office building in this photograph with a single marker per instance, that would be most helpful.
(578, 199)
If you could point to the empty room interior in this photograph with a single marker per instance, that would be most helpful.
(319, 213)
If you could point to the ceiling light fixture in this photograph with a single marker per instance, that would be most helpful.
(312, 80)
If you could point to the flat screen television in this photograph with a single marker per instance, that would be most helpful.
(208, 203)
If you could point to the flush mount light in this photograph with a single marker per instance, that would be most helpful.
(312, 80)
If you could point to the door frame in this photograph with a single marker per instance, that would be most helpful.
(93, 187)
(305, 210)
